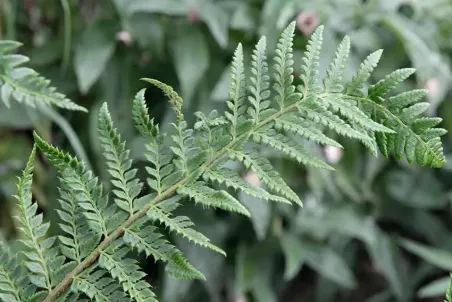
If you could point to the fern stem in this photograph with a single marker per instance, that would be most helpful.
(67, 281)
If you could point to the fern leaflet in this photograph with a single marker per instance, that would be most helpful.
(24, 84)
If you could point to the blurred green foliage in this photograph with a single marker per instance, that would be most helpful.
(374, 230)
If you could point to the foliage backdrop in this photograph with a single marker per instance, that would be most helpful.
(374, 230)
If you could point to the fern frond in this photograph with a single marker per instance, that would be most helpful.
(211, 132)
(146, 238)
(310, 67)
(127, 272)
(379, 90)
(414, 137)
(72, 297)
(405, 99)
(42, 256)
(192, 163)
(119, 163)
(283, 67)
(319, 114)
(79, 240)
(174, 98)
(189, 155)
(162, 171)
(290, 148)
(179, 224)
(24, 84)
(14, 286)
(305, 129)
(260, 82)
(232, 179)
(333, 79)
(349, 109)
(260, 165)
(101, 216)
(185, 146)
(236, 93)
(157, 153)
(355, 86)
(209, 197)
(100, 287)
(140, 116)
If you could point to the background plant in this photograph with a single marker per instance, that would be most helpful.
(143, 40)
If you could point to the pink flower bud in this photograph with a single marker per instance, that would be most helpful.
(433, 86)
(333, 154)
(125, 37)
(194, 17)
(252, 178)
(307, 22)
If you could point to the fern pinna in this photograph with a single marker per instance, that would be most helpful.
(91, 259)
(25, 85)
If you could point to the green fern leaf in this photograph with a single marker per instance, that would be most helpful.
(371, 143)
(333, 79)
(179, 224)
(260, 82)
(39, 250)
(146, 238)
(140, 116)
(188, 154)
(305, 129)
(349, 109)
(236, 93)
(422, 124)
(405, 99)
(99, 287)
(211, 132)
(157, 153)
(389, 82)
(414, 137)
(174, 98)
(14, 286)
(422, 145)
(209, 197)
(284, 69)
(72, 297)
(79, 240)
(320, 115)
(290, 148)
(233, 180)
(24, 84)
(260, 165)
(355, 86)
(119, 163)
(101, 216)
(162, 167)
(310, 67)
(127, 272)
